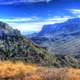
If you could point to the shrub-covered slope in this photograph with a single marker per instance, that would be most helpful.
(15, 46)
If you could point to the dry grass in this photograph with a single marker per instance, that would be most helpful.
(22, 71)
(10, 69)
(56, 74)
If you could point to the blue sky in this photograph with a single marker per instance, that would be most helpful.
(31, 15)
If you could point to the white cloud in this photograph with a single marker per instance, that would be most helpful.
(26, 26)
(9, 2)
(35, 0)
(75, 12)
(36, 25)
(16, 19)
(60, 18)
(34, 18)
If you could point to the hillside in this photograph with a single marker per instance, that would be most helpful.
(14, 46)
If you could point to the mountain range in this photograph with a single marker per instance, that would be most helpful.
(60, 38)
(14, 46)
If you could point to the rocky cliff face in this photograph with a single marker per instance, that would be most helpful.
(68, 27)
(61, 38)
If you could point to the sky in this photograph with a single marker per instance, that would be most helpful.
(30, 15)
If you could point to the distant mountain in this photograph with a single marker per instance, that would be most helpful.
(61, 38)
(31, 35)
(67, 27)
